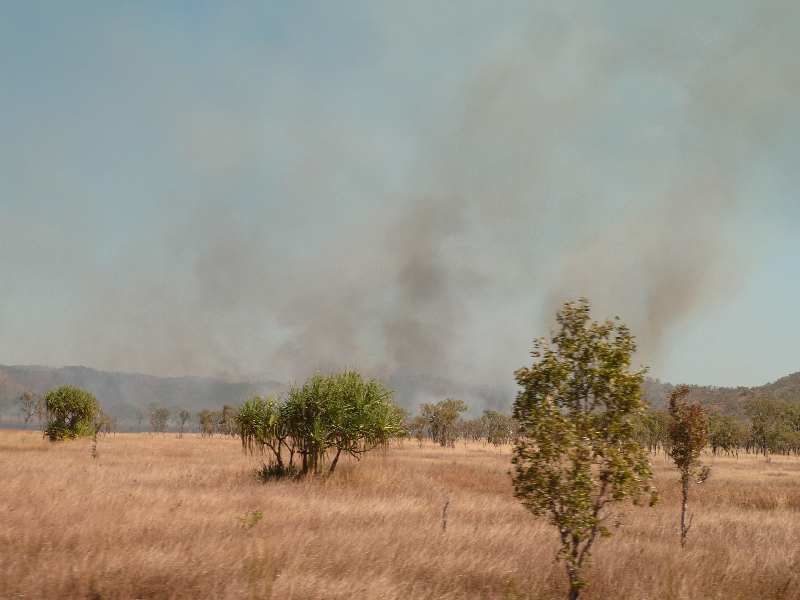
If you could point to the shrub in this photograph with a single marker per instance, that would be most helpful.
(71, 413)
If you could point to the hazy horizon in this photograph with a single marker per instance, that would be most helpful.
(273, 189)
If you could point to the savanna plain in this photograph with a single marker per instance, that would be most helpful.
(157, 516)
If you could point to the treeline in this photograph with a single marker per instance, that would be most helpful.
(442, 423)
(770, 426)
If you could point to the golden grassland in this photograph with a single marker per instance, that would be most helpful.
(162, 517)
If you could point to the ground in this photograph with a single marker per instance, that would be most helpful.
(155, 516)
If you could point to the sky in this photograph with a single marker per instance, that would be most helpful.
(272, 188)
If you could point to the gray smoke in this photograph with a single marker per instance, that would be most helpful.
(579, 156)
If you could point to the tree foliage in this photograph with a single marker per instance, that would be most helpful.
(443, 420)
(71, 413)
(576, 452)
(329, 415)
(688, 433)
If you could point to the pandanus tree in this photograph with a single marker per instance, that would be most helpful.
(263, 427)
(576, 452)
(326, 417)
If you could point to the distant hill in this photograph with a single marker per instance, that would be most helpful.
(123, 394)
(726, 400)
(126, 394)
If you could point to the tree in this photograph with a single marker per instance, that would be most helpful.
(71, 413)
(333, 414)
(28, 403)
(227, 421)
(263, 425)
(206, 420)
(418, 428)
(341, 412)
(183, 417)
(688, 432)
(159, 417)
(576, 452)
(442, 420)
(767, 424)
(497, 427)
(725, 433)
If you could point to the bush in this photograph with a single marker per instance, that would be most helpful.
(71, 413)
(271, 471)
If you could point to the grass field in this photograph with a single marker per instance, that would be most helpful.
(161, 517)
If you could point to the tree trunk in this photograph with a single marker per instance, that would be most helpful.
(574, 583)
(684, 500)
(335, 460)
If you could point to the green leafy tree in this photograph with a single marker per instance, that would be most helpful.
(71, 413)
(325, 418)
(688, 432)
(576, 451)
(725, 434)
(341, 412)
(263, 426)
(768, 424)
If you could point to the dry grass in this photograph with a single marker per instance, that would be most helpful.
(160, 517)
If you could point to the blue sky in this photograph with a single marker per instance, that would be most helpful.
(276, 187)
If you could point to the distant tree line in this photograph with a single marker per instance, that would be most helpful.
(442, 423)
(771, 427)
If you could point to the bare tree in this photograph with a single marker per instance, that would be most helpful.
(28, 403)
(183, 417)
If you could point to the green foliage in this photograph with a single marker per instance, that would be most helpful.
(725, 433)
(271, 471)
(71, 413)
(576, 452)
(338, 414)
(772, 424)
(442, 418)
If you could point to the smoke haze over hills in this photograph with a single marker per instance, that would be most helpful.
(408, 195)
